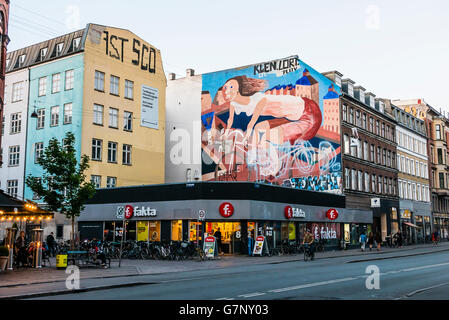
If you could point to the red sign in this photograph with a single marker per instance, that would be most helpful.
(129, 212)
(288, 211)
(332, 214)
(226, 209)
(210, 239)
(260, 238)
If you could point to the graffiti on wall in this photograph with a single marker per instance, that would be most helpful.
(275, 122)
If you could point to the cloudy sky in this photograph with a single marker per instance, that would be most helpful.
(395, 49)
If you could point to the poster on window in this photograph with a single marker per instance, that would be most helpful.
(150, 108)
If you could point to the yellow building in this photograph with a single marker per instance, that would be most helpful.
(123, 121)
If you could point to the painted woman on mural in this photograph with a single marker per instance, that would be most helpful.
(280, 117)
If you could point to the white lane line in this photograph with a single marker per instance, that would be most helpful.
(309, 285)
(249, 295)
(426, 267)
(225, 299)
(426, 289)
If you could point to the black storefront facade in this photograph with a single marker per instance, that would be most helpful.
(172, 213)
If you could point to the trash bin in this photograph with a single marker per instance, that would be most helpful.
(61, 261)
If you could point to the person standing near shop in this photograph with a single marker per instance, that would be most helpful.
(21, 249)
(217, 236)
(370, 240)
(250, 242)
(378, 240)
(362, 241)
(51, 244)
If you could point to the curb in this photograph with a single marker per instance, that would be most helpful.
(395, 257)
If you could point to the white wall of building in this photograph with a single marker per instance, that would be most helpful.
(183, 130)
(14, 172)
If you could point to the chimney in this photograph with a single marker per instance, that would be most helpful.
(335, 76)
(171, 76)
(190, 72)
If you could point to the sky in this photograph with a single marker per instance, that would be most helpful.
(395, 49)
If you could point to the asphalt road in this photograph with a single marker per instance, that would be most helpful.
(416, 277)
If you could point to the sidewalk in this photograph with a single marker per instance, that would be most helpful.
(50, 275)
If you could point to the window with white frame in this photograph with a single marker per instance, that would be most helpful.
(365, 151)
(113, 118)
(96, 180)
(111, 182)
(114, 85)
(373, 183)
(40, 123)
(400, 189)
(353, 179)
(99, 81)
(56, 83)
(96, 149)
(16, 123)
(127, 154)
(42, 86)
(54, 116)
(67, 113)
(347, 179)
(346, 146)
(367, 182)
(129, 89)
(112, 152)
(38, 151)
(127, 121)
(17, 91)
(14, 156)
(69, 79)
(13, 188)
(360, 180)
(98, 114)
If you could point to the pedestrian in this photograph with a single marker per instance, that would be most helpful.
(362, 241)
(399, 238)
(435, 237)
(378, 240)
(217, 236)
(21, 250)
(370, 240)
(250, 242)
(51, 244)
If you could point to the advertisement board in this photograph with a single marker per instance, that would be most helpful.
(150, 107)
(210, 247)
(276, 122)
(260, 247)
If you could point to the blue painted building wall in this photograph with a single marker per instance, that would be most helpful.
(74, 96)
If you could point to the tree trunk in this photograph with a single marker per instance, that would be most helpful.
(72, 242)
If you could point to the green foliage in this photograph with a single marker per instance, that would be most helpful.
(4, 252)
(63, 184)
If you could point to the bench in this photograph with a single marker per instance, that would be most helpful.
(84, 259)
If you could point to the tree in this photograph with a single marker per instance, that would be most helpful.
(63, 185)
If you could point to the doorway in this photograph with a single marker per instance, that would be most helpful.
(230, 235)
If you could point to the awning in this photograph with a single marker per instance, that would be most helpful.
(411, 225)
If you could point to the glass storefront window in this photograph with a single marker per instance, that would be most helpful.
(195, 230)
(118, 227)
(176, 230)
(142, 230)
(347, 232)
(109, 227)
(130, 230)
(284, 231)
(154, 228)
(291, 231)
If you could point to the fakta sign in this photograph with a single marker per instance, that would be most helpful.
(128, 211)
(291, 212)
(226, 209)
(332, 214)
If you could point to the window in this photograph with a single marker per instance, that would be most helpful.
(385, 186)
(112, 152)
(440, 156)
(42, 86)
(21, 60)
(59, 48)
(128, 121)
(346, 146)
(98, 114)
(441, 176)
(13, 188)
(96, 180)
(365, 151)
(345, 112)
(111, 182)
(40, 123)
(56, 83)
(347, 179)
(437, 132)
(114, 85)
(129, 89)
(99, 81)
(38, 151)
(67, 113)
(359, 149)
(96, 149)
(113, 118)
(364, 121)
(353, 179)
(16, 123)
(388, 158)
(351, 115)
(360, 180)
(379, 184)
(377, 127)
(69, 79)
(371, 124)
(17, 91)
(388, 133)
(384, 157)
(378, 155)
(390, 186)
(367, 183)
(127, 154)
(54, 116)
(354, 150)
(372, 153)
(383, 130)
(373, 183)
(14, 155)
(401, 195)
(357, 118)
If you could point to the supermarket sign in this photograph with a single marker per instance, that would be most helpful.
(291, 212)
(128, 211)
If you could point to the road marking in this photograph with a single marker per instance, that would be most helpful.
(225, 299)
(309, 285)
(249, 295)
(426, 267)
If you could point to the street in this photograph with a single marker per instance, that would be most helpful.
(413, 277)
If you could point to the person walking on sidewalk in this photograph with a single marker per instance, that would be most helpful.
(435, 237)
(362, 241)
(378, 240)
(51, 244)
(399, 239)
(370, 240)
(217, 235)
(250, 242)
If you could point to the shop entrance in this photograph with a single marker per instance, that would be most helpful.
(230, 235)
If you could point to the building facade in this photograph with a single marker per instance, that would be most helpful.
(369, 156)
(413, 177)
(4, 40)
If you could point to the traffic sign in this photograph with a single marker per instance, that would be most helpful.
(201, 215)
